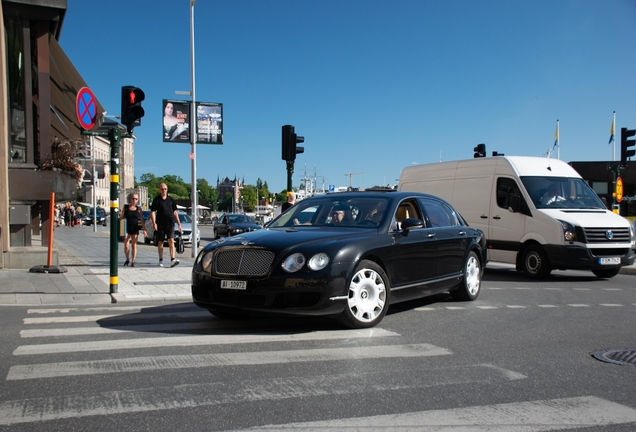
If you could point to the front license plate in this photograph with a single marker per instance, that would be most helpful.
(234, 284)
(609, 261)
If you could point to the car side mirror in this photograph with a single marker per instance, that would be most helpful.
(411, 223)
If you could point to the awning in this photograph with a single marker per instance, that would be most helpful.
(65, 83)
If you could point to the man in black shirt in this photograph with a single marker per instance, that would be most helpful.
(164, 216)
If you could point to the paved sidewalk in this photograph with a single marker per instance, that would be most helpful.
(86, 256)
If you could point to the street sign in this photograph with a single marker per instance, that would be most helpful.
(619, 189)
(86, 108)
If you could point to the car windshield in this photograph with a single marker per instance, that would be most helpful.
(184, 218)
(240, 219)
(100, 211)
(561, 192)
(334, 211)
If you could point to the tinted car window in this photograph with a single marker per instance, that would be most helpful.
(437, 214)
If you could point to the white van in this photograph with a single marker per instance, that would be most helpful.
(537, 213)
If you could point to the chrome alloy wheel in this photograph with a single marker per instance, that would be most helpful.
(472, 275)
(367, 295)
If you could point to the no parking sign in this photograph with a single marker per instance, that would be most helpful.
(86, 108)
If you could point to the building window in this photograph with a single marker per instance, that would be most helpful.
(15, 89)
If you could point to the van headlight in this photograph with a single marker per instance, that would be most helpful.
(632, 234)
(569, 232)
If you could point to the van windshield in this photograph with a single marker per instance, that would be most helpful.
(561, 192)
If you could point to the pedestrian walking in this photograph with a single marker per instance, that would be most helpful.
(164, 216)
(134, 223)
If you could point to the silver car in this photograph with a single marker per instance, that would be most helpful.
(186, 227)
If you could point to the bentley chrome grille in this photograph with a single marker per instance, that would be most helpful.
(243, 262)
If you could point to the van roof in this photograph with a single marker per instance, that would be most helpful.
(522, 165)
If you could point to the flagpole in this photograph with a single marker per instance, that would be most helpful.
(558, 142)
(612, 137)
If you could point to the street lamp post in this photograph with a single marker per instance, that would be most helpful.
(193, 134)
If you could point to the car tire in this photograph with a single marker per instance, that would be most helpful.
(534, 262)
(606, 274)
(368, 296)
(470, 285)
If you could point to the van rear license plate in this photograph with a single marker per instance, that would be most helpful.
(606, 261)
(234, 284)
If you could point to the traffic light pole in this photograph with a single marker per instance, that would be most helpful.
(114, 135)
(290, 172)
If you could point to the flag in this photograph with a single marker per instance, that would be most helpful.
(556, 136)
(611, 140)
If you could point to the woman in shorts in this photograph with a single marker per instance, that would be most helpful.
(134, 223)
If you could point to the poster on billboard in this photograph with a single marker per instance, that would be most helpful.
(176, 121)
(209, 123)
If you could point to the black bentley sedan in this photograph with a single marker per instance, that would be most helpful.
(348, 255)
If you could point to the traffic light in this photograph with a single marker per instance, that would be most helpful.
(480, 150)
(625, 143)
(290, 139)
(131, 110)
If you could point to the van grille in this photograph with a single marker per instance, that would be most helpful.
(600, 235)
(243, 262)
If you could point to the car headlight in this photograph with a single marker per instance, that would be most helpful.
(236, 230)
(293, 263)
(318, 261)
(206, 262)
(569, 232)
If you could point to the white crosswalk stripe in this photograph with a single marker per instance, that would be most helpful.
(73, 331)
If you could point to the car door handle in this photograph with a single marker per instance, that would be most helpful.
(496, 217)
(431, 235)
(462, 233)
(484, 216)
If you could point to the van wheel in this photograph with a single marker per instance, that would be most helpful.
(368, 296)
(535, 263)
(468, 288)
(606, 274)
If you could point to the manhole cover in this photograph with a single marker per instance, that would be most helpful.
(617, 356)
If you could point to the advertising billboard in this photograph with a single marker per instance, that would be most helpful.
(209, 123)
(176, 121)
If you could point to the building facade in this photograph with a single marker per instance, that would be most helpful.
(40, 135)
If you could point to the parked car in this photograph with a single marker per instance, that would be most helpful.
(231, 224)
(390, 247)
(186, 227)
(101, 216)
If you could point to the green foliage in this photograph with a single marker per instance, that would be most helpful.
(179, 189)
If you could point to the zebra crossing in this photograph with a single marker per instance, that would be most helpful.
(151, 341)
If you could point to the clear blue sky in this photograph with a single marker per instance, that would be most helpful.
(373, 86)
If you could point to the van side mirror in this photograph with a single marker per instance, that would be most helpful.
(515, 204)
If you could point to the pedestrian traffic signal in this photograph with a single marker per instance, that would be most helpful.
(625, 143)
(131, 110)
(290, 141)
(480, 150)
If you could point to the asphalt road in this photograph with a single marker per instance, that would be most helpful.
(518, 358)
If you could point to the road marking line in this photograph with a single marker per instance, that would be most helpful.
(95, 318)
(542, 415)
(487, 307)
(77, 405)
(426, 308)
(176, 341)
(104, 308)
(455, 307)
(547, 306)
(138, 364)
(578, 305)
(515, 306)
(611, 305)
(582, 289)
